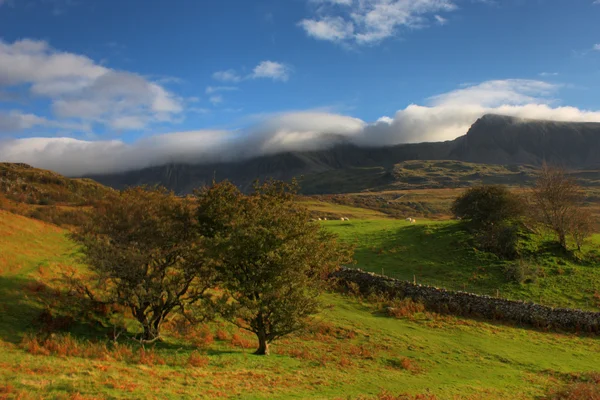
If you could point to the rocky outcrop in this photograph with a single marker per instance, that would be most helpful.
(468, 304)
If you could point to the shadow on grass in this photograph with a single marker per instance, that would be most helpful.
(440, 255)
(22, 307)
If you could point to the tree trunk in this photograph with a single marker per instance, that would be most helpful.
(562, 238)
(152, 330)
(263, 345)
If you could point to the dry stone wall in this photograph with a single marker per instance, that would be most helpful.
(468, 304)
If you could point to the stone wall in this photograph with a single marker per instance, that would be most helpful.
(468, 304)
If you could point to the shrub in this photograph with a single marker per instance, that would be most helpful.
(197, 360)
(486, 205)
(521, 272)
(403, 308)
(501, 239)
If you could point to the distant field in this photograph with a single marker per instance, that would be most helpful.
(439, 253)
(352, 350)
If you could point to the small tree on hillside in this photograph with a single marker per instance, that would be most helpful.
(494, 214)
(557, 204)
(272, 261)
(486, 205)
(142, 251)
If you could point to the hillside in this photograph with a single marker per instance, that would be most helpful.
(47, 195)
(347, 168)
(353, 350)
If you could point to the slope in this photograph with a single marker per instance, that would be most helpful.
(352, 349)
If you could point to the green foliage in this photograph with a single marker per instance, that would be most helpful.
(522, 272)
(143, 253)
(493, 213)
(486, 205)
(272, 261)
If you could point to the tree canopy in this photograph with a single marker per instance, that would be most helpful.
(142, 250)
(271, 259)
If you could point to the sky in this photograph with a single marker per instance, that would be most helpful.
(111, 85)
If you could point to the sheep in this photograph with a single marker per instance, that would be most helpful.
(408, 219)
(324, 219)
(319, 219)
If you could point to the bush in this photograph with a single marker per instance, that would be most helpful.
(502, 240)
(521, 272)
(487, 205)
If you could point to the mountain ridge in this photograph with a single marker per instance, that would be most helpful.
(492, 139)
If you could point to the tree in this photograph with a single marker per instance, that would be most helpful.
(494, 214)
(486, 205)
(142, 250)
(272, 261)
(557, 204)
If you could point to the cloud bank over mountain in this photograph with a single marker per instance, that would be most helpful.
(442, 117)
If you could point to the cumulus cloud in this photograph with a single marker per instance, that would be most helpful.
(227, 76)
(265, 69)
(17, 121)
(371, 21)
(271, 70)
(442, 117)
(82, 90)
(597, 46)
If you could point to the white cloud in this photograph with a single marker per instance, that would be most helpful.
(17, 121)
(79, 89)
(547, 74)
(216, 99)
(440, 20)
(328, 28)
(227, 76)
(371, 21)
(272, 70)
(445, 117)
(265, 69)
(597, 46)
(497, 92)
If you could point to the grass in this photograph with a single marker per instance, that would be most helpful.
(440, 253)
(353, 349)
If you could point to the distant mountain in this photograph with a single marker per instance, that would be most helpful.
(492, 139)
(496, 139)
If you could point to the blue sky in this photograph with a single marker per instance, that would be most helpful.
(95, 86)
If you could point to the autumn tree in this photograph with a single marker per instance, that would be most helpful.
(142, 251)
(558, 205)
(272, 261)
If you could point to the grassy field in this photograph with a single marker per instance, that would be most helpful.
(352, 350)
(440, 253)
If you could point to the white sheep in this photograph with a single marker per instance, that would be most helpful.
(413, 221)
(319, 219)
